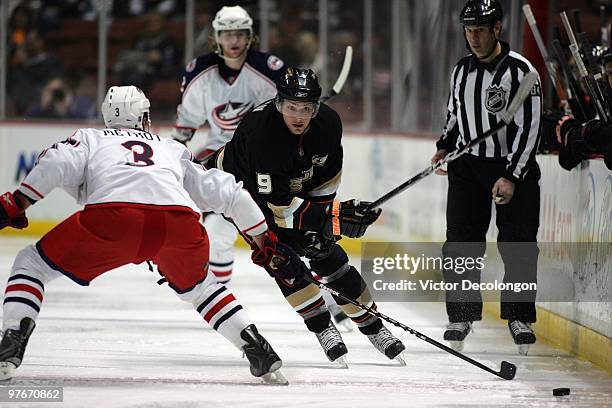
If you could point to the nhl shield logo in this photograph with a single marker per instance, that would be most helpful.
(495, 98)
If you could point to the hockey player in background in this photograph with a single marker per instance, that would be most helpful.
(142, 197)
(288, 153)
(220, 88)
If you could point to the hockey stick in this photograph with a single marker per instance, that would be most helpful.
(548, 61)
(346, 67)
(507, 370)
(589, 82)
(521, 94)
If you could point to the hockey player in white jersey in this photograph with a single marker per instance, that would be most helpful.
(220, 88)
(142, 196)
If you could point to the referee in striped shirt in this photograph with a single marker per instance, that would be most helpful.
(501, 167)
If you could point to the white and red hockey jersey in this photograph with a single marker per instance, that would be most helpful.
(133, 166)
(209, 97)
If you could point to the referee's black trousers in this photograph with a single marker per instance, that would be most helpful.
(468, 214)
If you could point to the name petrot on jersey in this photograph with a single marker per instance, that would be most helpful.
(141, 134)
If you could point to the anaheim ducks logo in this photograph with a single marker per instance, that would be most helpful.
(228, 115)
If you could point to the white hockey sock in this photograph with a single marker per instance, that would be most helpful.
(222, 234)
(25, 287)
(218, 306)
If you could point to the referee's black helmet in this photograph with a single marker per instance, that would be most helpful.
(481, 12)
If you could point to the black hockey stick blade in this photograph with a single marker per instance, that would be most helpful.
(507, 371)
(522, 92)
(344, 72)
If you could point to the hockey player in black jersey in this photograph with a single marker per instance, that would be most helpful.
(288, 154)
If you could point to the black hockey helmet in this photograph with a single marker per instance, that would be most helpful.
(481, 12)
(299, 84)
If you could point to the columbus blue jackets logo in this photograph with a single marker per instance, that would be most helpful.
(229, 115)
(275, 63)
(495, 98)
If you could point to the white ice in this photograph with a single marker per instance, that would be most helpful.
(127, 342)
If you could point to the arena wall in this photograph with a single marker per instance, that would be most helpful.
(575, 206)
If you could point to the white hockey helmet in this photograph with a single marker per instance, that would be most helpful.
(126, 106)
(232, 18)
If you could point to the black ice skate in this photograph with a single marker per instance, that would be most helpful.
(523, 335)
(331, 341)
(456, 333)
(265, 363)
(388, 344)
(13, 346)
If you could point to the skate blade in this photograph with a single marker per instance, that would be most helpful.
(275, 377)
(341, 362)
(456, 345)
(523, 349)
(6, 370)
(400, 359)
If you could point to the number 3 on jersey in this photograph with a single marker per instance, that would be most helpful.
(142, 153)
(264, 183)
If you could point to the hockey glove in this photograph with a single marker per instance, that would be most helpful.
(568, 126)
(278, 259)
(183, 135)
(350, 218)
(11, 213)
(318, 247)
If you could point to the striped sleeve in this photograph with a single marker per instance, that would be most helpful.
(451, 129)
(527, 120)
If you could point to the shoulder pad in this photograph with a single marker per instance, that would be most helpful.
(197, 65)
(268, 64)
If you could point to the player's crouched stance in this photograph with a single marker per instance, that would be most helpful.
(288, 152)
(142, 196)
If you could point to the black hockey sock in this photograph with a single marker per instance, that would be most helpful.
(372, 328)
(318, 323)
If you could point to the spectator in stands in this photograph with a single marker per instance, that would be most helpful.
(204, 28)
(154, 55)
(307, 46)
(32, 67)
(58, 101)
(133, 8)
(19, 25)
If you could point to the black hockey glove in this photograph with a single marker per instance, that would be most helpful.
(350, 218)
(11, 212)
(318, 247)
(278, 259)
(569, 126)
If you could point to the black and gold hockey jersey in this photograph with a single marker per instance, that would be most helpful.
(292, 177)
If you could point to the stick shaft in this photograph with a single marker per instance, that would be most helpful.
(521, 94)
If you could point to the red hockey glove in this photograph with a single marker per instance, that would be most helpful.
(11, 213)
(278, 259)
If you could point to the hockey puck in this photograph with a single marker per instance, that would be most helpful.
(559, 392)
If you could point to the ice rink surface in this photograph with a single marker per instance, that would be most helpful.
(124, 341)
